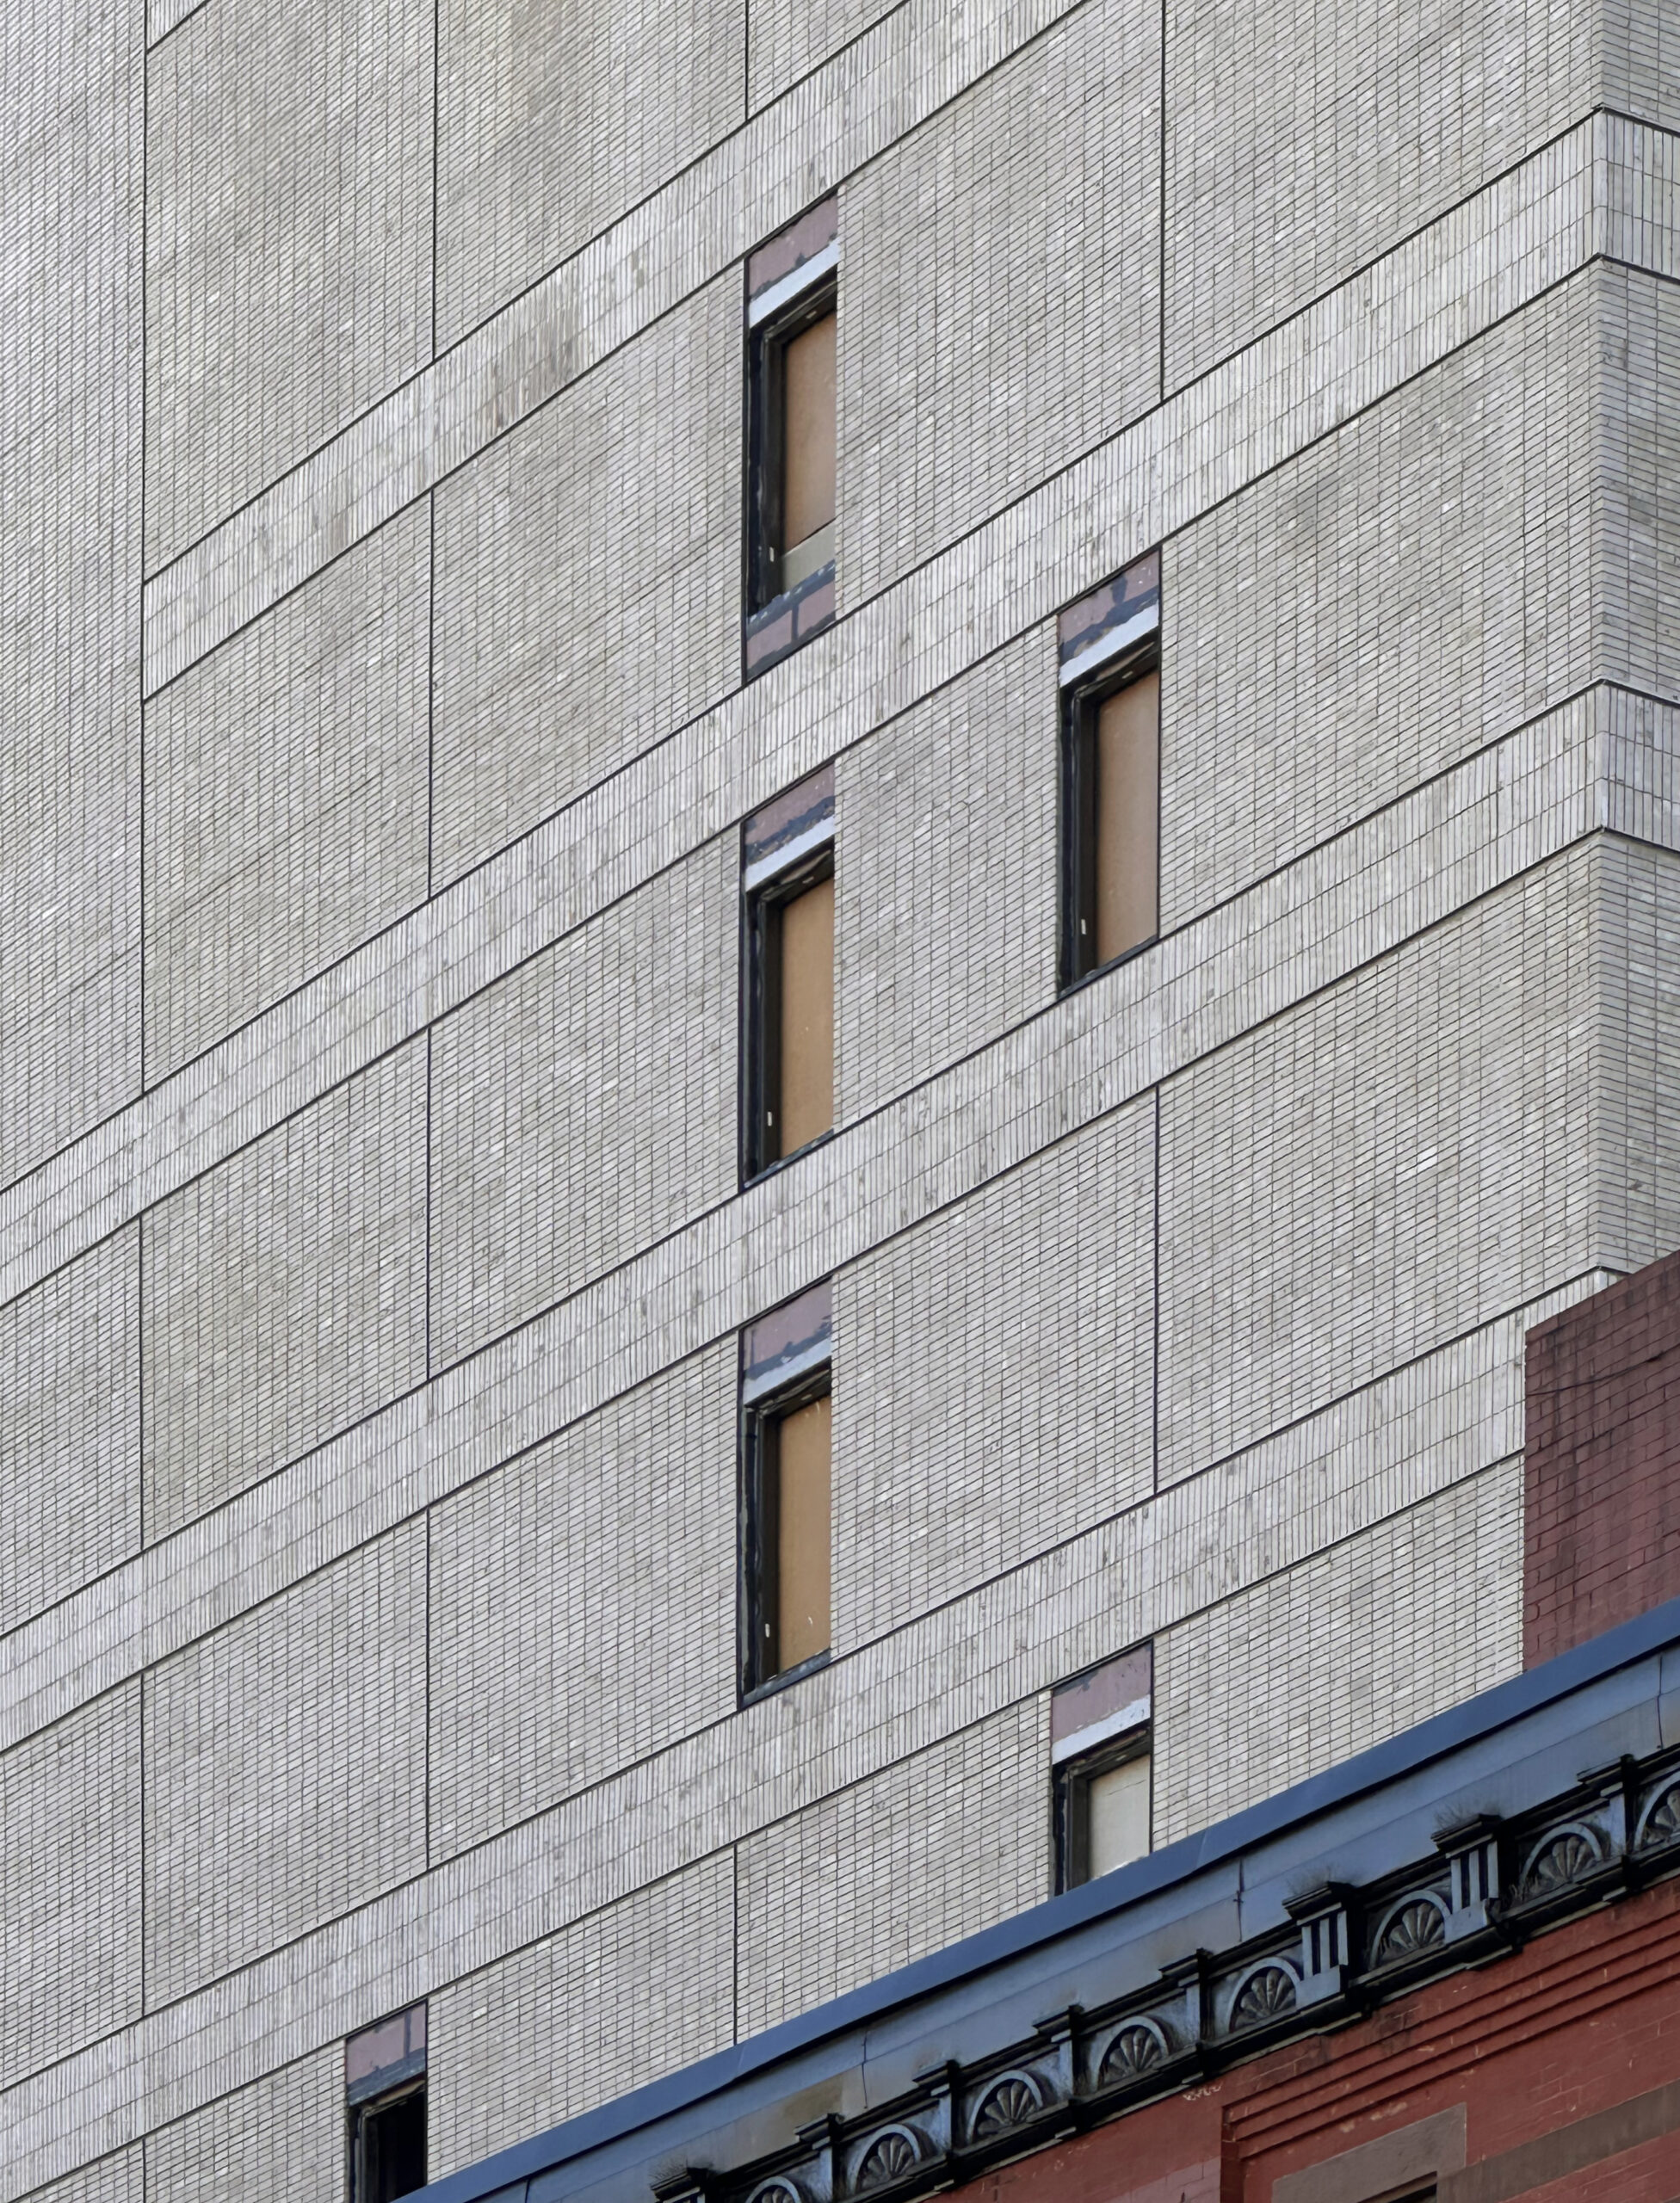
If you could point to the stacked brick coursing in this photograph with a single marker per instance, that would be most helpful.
(365, 1383)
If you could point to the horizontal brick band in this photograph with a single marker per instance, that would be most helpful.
(1609, 187)
(709, 217)
(1367, 891)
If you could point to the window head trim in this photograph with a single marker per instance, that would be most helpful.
(783, 833)
(794, 285)
(1109, 645)
(1108, 620)
(784, 1344)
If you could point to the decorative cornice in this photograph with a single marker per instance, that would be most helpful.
(1491, 1885)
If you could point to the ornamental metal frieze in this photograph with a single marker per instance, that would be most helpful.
(1558, 1863)
(1014, 2101)
(886, 2159)
(1659, 1823)
(1262, 1997)
(1337, 1953)
(1134, 2052)
(1412, 1929)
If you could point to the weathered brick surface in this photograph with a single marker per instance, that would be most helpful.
(71, 374)
(289, 241)
(399, 1310)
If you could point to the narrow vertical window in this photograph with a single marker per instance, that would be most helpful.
(1111, 771)
(794, 437)
(1102, 1767)
(788, 1507)
(787, 878)
(385, 2095)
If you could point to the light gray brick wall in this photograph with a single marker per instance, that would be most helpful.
(1379, 1170)
(936, 1847)
(284, 1292)
(999, 299)
(788, 39)
(289, 241)
(1304, 136)
(70, 393)
(1401, 594)
(586, 1107)
(70, 1428)
(974, 1423)
(946, 876)
(582, 1608)
(1339, 1652)
(446, 1706)
(631, 1993)
(553, 122)
(1636, 489)
(286, 1759)
(588, 581)
(117, 2179)
(70, 1885)
(1636, 1044)
(286, 793)
(280, 2140)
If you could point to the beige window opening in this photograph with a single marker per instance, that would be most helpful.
(1116, 1808)
(1127, 837)
(801, 1464)
(802, 1104)
(809, 453)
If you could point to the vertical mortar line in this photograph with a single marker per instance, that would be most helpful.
(437, 25)
(1161, 217)
(140, 1686)
(1155, 1313)
(140, 1229)
(145, 301)
(426, 1287)
(735, 1942)
(426, 1746)
(431, 677)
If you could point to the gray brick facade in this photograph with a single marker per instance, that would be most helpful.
(374, 755)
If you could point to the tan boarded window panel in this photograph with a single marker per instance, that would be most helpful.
(802, 1457)
(1117, 1817)
(1128, 767)
(805, 1105)
(809, 442)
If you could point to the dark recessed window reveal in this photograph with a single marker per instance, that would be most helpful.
(786, 1510)
(1102, 1767)
(788, 982)
(384, 2093)
(792, 436)
(1109, 647)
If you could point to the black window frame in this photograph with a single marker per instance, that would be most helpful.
(1071, 1799)
(767, 352)
(759, 1524)
(761, 1007)
(376, 2105)
(1081, 703)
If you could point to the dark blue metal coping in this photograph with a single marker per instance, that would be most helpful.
(1415, 1749)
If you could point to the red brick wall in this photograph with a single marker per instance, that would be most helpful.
(1602, 1475)
(1565, 2058)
